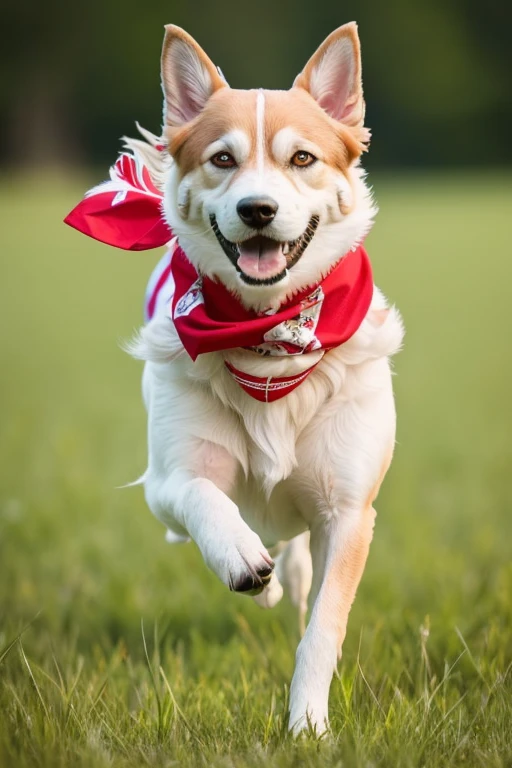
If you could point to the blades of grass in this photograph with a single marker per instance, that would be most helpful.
(61, 678)
(160, 712)
(48, 677)
(444, 678)
(178, 711)
(114, 735)
(447, 715)
(480, 712)
(34, 682)
(12, 690)
(373, 695)
(72, 714)
(424, 636)
(99, 694)
(68, 694)
(7, 648)
(471, 657)
(269, 720)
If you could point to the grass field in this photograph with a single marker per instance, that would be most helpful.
(119, 650)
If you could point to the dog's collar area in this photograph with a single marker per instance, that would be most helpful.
(266, 389)
(208, 318)
(294, 251)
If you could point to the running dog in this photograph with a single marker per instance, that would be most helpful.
(267, 379)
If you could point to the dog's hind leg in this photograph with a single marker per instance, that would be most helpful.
(339, 548)
(295, 572)
(271, 595)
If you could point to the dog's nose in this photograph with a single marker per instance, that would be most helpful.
(257, 212)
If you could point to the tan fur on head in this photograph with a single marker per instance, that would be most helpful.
(230, 109)
(193, 87)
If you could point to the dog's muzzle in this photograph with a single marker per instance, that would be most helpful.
(261, 260)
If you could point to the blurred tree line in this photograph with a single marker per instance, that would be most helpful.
(74, 77)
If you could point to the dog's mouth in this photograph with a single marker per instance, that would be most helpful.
(261, 260)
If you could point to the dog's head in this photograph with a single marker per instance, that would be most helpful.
(265, 192)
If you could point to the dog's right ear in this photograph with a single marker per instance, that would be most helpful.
(189, 77)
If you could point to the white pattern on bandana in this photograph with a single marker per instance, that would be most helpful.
(192, 298)
(297, 335)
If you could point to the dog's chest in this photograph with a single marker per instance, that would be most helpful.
(269, 431)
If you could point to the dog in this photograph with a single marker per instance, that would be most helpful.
(267, 378)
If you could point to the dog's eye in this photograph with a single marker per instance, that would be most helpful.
(302, 159)
(223, 160)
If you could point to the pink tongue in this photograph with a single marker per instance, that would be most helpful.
(261, 258)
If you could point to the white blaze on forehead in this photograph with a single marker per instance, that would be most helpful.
(287, 141)
(235, 142)
(260, 132)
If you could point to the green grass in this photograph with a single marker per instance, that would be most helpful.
(425, 678)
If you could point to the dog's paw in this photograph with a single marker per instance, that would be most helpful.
(271, 594)
(237, 555)
(253, 581)
(250, 570)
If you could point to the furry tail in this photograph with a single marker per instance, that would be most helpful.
(157, 342)
(153, 154)
(140, 481)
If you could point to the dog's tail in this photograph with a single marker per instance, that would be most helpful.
(139, 481)
(152, 152)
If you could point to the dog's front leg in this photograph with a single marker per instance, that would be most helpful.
(194, 500)
(339, 548)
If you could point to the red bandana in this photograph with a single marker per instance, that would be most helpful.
(126, 212)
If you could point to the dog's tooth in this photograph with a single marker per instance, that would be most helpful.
(286, 249)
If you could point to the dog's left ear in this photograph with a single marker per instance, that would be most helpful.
(332, 76)
(189, 77)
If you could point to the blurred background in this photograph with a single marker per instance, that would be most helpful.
(88, 559)
(436, 73)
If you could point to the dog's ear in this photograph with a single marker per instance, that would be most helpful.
(332, 76)
(189, 77)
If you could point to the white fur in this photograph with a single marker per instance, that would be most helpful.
(236, 142)
(287, 141)
(237, 475)
(260, 132)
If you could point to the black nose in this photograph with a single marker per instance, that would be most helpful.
(257, 212)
